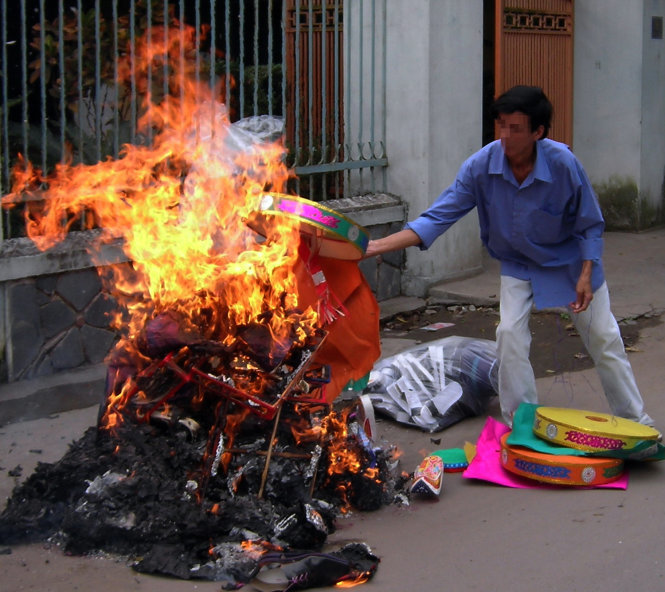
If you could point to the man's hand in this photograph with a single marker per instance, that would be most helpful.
(392, 242)
(583, 289)
(373, 249)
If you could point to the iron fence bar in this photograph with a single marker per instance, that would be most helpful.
(79, 77)
(213, 46)
(132, 69)
(98, 89)
(5, 114)
(116, 84)
(63, 80)
(241, 61)
(349, 165)
(24, 70)
(197, 25)
(182, 48)
(227, 57)
(148, 36)
(310, 81)
(270, 56)
(284, 24)
(324, 94)
(372, 87)
(197, 75)
(5, 317)
(310, 88)
(256, 59)
(82, 223)
(348, 115)
(296, 116)
(336, 91)
(165, 64)
(98, 83)
(361, 55)
(384, 67)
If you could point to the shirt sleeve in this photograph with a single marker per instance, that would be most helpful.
(589, 224)
(456, 201)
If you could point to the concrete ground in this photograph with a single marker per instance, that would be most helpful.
(475, 536)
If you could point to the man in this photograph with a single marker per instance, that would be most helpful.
(540, 218)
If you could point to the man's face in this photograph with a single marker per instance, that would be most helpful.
(516, 136)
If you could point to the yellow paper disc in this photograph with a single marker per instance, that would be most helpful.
(589, 430)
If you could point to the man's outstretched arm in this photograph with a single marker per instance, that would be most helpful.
(392, 242)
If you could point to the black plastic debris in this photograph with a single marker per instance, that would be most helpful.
(352, 564)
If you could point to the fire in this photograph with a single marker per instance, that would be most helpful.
(352, 583)
(179, 207)
(218, 318)
(220, 322)
(343, 459)
(258, 547)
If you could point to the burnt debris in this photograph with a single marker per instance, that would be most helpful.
(212, 461)
(143, 492)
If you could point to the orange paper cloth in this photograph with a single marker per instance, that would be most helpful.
(353, 343)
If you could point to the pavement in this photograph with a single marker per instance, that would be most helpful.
(475, 535)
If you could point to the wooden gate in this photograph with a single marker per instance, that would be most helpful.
(314, 79)
(534, 45)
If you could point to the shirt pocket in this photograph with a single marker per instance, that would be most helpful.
(544, 227)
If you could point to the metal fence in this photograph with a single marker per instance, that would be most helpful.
(316, 66)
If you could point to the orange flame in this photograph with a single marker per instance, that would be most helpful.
(352, 583)
(343, 458)
(259, 547)
(179, 208)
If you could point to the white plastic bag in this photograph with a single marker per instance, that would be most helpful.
(436, 384)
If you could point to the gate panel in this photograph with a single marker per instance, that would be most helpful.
(60, 98)
(314, 38)
(534, 46)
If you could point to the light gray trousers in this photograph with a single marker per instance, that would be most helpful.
(600, 334)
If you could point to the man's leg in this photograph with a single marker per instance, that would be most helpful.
(602, 338)
(517, 383)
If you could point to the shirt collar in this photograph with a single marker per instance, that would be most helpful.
(541, 169)
(498, 164)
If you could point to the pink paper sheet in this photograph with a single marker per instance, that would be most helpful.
(487, 463)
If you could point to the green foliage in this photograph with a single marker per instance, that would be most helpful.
(82, 39)
(80, 42)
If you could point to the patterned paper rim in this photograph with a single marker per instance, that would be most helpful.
(587, 433)
(340, 237)
(559, 469)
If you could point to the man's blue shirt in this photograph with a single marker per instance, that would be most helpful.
(540, 230)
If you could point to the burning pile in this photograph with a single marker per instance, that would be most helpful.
(218, 448)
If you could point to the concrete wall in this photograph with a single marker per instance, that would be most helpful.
(55, 309)
(652, 172)
(607, 82)
(433, 114)
(619, 106)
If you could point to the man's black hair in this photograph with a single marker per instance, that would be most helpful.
(530, 100)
